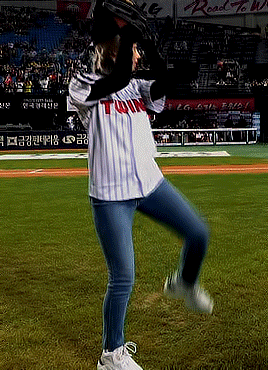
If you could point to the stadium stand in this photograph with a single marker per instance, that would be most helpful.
(204, 46)
(41, 29)
(41, 38)
(39, 52)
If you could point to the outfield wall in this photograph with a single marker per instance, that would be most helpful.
(79, 140)
(47, 113)
(35, 140)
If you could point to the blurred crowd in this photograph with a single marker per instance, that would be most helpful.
(228, 72)
(25, 69)
(19, 20)
(259, 84)
(39, 75)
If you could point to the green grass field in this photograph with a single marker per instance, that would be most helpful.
(53, 275)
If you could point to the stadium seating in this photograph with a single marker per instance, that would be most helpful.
(191, 49)
(206, 44)
(48, 35)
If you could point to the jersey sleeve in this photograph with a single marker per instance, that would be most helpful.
(79, 90)
(144, 87)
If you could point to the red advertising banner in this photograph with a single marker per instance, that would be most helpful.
(228, 104)
(81, 8)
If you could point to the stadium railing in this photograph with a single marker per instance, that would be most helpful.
(217, 136)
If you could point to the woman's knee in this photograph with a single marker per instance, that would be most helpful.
(123, 279)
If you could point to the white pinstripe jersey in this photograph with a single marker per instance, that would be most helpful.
(121, 145)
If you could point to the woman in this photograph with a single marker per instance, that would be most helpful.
(124, 177)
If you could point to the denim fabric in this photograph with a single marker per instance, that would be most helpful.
(113, 223)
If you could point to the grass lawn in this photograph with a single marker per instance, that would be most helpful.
(53, 279)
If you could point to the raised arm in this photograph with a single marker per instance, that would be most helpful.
(121, 73)
(158, 67)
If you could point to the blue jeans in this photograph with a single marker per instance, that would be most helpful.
(113, 223)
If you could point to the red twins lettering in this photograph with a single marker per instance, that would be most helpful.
(120, 106)
(124, 106)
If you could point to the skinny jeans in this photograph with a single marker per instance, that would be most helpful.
(113, 222)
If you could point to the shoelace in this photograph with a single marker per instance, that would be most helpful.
(128, 349)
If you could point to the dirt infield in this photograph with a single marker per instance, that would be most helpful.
(169, 170)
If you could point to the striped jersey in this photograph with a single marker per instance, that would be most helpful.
(121, 144)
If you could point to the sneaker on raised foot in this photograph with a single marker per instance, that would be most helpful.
(119, 359)
(195, 298)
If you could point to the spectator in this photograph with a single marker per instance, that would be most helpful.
(71, 122)
(28, 87)
(229, 123)
(20, 86)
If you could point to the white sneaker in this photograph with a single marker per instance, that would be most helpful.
(119, 359)
(195, 298)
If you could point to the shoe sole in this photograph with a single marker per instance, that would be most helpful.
(168, 293)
